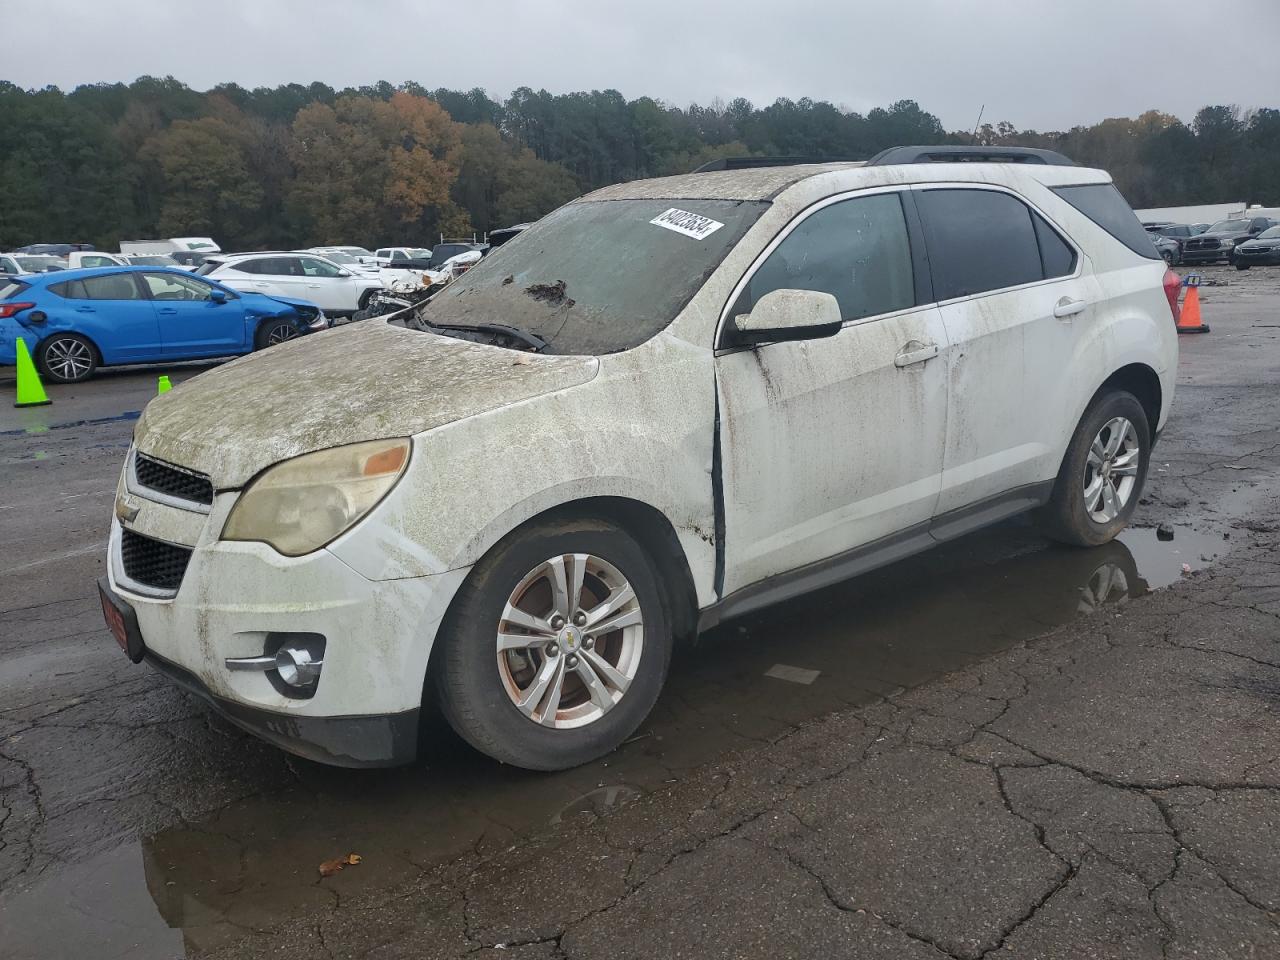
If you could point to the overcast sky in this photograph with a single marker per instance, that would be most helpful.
(1043, 64)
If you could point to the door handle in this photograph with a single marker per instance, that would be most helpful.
(915, 352)
(1066, 307)
(167, 311)
(84, 309)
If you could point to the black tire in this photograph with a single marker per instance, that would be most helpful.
(364, 299)
(1169, 258)
(1065, 517)
(469, 688)
(272, 331)
(1242, 266)
(54, 353)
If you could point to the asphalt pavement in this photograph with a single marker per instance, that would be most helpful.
(1001, 745)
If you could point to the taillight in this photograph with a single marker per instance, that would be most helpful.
(1172, 284)
(7, 310)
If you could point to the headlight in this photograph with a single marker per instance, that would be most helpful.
(302, 504)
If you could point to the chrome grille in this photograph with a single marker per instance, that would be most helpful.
(153, 563)
(172, 481)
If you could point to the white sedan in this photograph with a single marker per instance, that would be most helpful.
(303, 276)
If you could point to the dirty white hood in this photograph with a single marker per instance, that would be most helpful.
(366, 381)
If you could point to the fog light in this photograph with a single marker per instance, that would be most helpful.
(295, 666)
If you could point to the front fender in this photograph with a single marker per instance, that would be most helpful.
(641, 430)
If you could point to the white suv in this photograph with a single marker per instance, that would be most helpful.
(667, 403)
(300, 275)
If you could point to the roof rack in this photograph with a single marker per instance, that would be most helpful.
(748, 163)
(963, 154)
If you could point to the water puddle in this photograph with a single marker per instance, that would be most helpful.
(198, 886)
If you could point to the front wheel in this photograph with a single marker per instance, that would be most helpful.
(272, 332)
(1169, 258)
(1102, 474)
(556, 646)
(1242, 266)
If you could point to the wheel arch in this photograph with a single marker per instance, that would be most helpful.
(1143, 382)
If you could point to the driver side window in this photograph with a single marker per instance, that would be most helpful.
(170, 286)
(312, 267)
(856, 250)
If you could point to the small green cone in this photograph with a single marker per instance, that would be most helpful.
(30, 389)
(165, 385)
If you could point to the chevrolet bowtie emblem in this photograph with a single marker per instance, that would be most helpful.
(126, 510)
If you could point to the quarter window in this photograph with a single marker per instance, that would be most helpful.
(856, 250)
(1056, 256)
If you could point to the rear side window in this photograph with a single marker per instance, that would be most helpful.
(9, 290)
(110, 286)
(1056, 256)
(857, 250)
(1102, 203)
(978, 240)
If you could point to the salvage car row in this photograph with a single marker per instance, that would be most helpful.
(1242, 241)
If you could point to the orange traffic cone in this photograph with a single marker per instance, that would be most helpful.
(1189, 319)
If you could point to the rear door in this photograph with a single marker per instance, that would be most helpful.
(1013, 295)
(111, 310)
(192, 323)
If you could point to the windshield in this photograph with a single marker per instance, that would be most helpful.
(337, 256)
(601, 276)
(1271, 233)
(1229, 226)
(357, 251)
(41, 264)
(159, 260)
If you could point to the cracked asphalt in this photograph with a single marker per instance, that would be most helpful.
(1009, 748)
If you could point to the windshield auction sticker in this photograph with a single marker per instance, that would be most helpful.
(690, 224)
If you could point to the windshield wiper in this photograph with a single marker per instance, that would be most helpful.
(502, 330)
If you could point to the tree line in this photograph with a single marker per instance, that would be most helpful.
(297, 165)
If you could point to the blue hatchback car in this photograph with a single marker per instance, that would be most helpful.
(78, 320)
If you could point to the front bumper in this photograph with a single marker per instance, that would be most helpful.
(233, 596)
(378, 740)
(1207, 256)
(1258, 257)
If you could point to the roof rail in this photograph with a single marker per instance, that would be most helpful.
(748, 163)
(964, 154)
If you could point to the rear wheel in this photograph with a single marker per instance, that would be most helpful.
(67, 358)
(1242, 266)
(556, 647)
(1102, 473)
(272, 332)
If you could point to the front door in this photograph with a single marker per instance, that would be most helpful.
(828, 445)
(192, 323)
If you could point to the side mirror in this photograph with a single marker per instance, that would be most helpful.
(344, 273)
(218, 296)
(788, 315)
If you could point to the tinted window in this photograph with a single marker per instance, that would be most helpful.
(1102, 203)
(382, 254)
(8, 264)
(1056, 256)
(397, 255)
(856, 250)
(313, 267)
(109, 286)
(271, 266)
(171, 286)
(980, 240)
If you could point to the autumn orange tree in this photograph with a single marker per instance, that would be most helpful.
(373, 171)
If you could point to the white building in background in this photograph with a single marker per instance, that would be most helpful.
(1204, 213)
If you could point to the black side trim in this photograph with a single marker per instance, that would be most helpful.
(378, 740)
(870, 556)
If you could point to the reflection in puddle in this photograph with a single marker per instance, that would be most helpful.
(255, 863)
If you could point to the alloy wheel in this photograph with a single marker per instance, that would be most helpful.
(570, 640)
(280, 333)
(1111, 470)
(68, 359)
